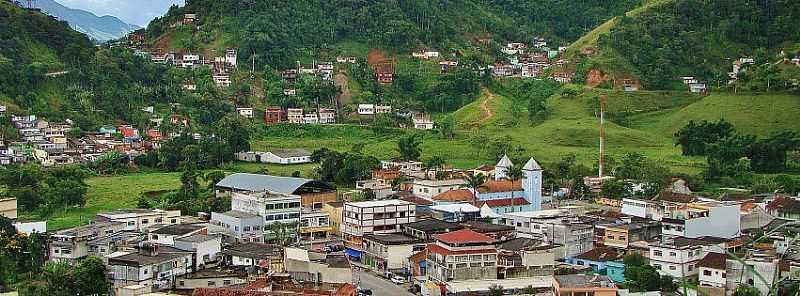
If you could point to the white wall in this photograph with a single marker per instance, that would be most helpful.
(715, 279)
(722, 221)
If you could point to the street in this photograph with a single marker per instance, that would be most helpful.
(380, 286)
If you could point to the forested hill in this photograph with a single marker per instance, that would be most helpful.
(666, 39)
(276, 29)
(54, 72)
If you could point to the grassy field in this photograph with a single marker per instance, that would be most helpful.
(110, 193)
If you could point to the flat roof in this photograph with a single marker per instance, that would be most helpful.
(515, 283)
(540, 214)
(379, 203)
(178, 229)
(238, 214)
(391, 239)
(461, 207)
(433, 225)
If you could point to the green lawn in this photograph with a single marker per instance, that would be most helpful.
(110, 193)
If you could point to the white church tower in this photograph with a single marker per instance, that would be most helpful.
(532, 183)
(501, 169)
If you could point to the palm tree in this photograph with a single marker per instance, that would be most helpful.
(514, 174)
(473, 182)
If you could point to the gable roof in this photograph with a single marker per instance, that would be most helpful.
(500, 186)
(286, 153)
(464, 236)
(454, 195)
(784, 204)
(503, 202)
(713, 260)
(433, 226)
(600, 254)
(256, 182)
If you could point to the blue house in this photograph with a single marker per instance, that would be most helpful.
(597, 258)
(615, 270)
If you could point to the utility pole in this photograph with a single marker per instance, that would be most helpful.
(602, 134)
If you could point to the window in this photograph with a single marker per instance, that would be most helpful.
(621, 237)
(145, 221)
(173, 221)
(131, 223)
(691, 267)
(706, 272)
(672, 267)
(154, 236)
(672, 254)
(610, 236)
(657, 266)
(723, 275)
(657, 253)
(212, 283)
(66, 251)
(181, 283)
(226, 282)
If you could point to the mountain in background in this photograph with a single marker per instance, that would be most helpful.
(100, 28)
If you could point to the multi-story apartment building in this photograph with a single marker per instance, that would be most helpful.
(274, 207)
(373, 217)
(621, 235)
(678, 256)
(241, 226)
(140, 219)
(388, 252)
(153, 266)
(557, 227)
(73, 244)
(314, 226)
(683, 215)
(430, 188)
(462, 255)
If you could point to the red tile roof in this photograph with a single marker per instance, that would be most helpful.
(500, 186)
(503, 202)
(464, 236)
(417, 200)
(784, 204)
(600, 254)
(127, 132)
(454, 195)
(437, 249)
(713, 260)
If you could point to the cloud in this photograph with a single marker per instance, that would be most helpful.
(138, 12)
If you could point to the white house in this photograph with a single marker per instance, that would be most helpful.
(286, 156)
(222, 80)
(430, 188)
(153, 266)
(205, 248)
(140, 219)
(168, 234)
(245, 112)
(679, 256)
(422, 121)
(366, 109)
(712, 270)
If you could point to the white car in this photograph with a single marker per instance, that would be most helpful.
(398, 280)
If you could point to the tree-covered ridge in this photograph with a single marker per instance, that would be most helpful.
(701, 38)
(274, 29)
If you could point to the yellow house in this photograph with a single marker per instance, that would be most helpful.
(8, 207)
(334, 210)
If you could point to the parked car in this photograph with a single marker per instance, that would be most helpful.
(398, 280)
(364, 292)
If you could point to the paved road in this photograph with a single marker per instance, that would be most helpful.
(380, 286)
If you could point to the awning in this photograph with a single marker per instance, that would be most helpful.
(352, 253)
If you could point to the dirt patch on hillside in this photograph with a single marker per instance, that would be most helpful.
(376, 56)
(595, 77)
(164, 41)
(341, 81)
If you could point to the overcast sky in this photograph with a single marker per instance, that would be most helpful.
(137, 12)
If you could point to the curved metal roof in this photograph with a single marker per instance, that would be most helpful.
(286, 185)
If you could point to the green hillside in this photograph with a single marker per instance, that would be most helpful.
(661, 41)
(758, 114)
